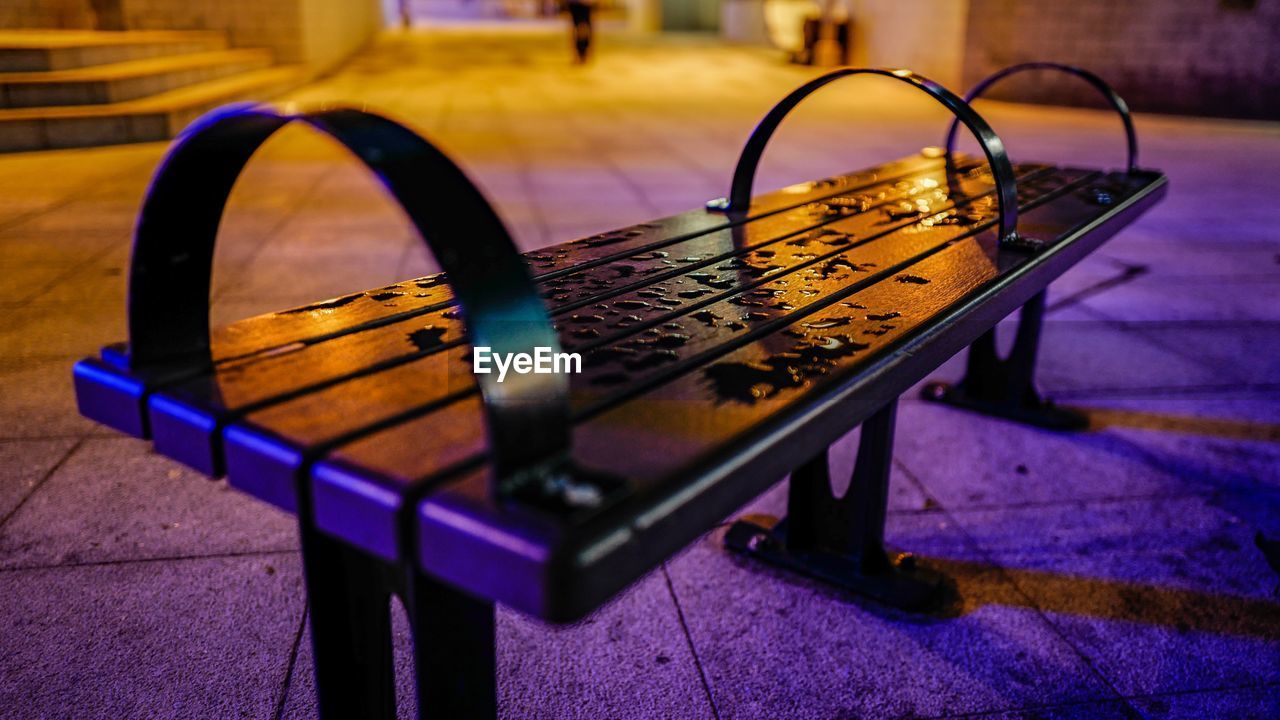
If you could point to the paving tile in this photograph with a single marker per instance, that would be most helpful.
(195, 638)
(1115, 710)
(58, 249)
(114, 500)
(26, 463)
(1255, 703)
(41, 331)
(1149, 299)
(776, 646)
(19, 282)
(967, 460)
(1232, 440)
(1174, 259)
(630, 659)
(1161, 595)
(37, 400)
(102, 281)
(1234, 353)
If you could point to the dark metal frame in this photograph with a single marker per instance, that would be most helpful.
(1113, 99)
(744, 174)
(1005, 387)
(527, 417)
(841, 540)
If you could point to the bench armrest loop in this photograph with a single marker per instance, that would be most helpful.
(1113, 98)
(1006, 189)
(527, 416)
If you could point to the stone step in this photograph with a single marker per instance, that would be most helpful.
(43, 50)
(117, 82)
(154, 117)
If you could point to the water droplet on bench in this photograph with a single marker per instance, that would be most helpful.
(707, 317)
(427, 338)
(828, 323)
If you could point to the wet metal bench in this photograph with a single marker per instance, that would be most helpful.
(722, 348)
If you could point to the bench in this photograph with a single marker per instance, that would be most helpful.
(722, 349)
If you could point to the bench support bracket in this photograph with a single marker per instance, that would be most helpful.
(1006, 387)
(349, 601)
(840, 540)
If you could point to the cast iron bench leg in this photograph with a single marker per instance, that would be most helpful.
(349, 596)
(350, 630)
(453, 641)
(1006, 388)
(841, 540)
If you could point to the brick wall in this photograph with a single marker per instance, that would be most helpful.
(319, 33)
(1169, 56)
(72, 14)
(248, 23)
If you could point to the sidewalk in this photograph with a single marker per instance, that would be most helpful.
(1111, 573)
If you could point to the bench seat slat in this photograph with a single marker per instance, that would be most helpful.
(108, 392)
(305, 426)
(683, 439)
(354, 311)
(187, 418)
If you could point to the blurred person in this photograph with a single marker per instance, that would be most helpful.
(580, 16)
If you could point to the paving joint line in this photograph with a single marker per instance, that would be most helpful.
(1030, 602)
(688, 637)
(158, 559)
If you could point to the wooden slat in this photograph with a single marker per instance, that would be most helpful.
(187, 418)
(323, 319)
(310, 423)
(699, 446)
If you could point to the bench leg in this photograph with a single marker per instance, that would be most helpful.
(349, 602)
(841, 540)
(453, 641)
(1006, 388)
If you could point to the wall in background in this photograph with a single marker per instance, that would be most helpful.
(1203, 57)
(74, 14)
(690, 15)
(319, 33)
(927, 36)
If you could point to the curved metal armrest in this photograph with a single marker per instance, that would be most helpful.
(527, 416)
(739, 199)
(1113, 98)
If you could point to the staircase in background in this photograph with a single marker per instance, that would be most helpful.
(75, 88)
